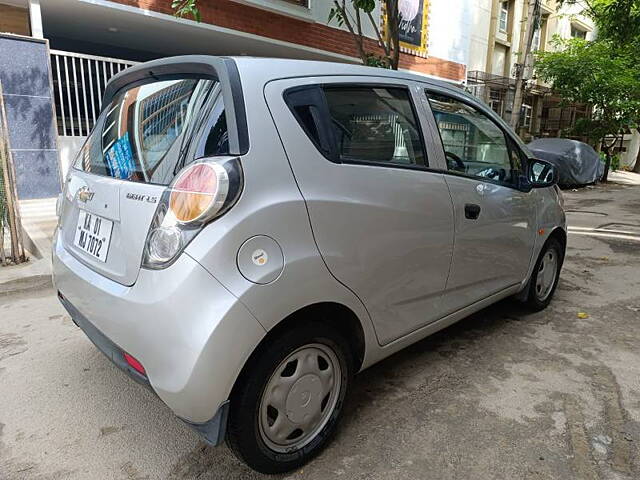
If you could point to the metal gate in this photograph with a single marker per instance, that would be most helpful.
(79, 82)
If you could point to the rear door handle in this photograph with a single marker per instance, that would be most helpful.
(472, 211)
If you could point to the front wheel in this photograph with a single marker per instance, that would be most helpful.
(289, 401)
(545, 276)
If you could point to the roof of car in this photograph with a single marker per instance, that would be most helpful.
(258, 70)
(285, 68)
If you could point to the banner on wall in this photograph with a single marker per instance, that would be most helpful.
(413, 26)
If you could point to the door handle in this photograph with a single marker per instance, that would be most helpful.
(472, 211)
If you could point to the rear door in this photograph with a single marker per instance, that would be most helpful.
(381, 217)
(495, 212)
(133, 152)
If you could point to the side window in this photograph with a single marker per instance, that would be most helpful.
(374, 124)
(473, 143)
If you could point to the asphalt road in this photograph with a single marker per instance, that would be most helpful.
(502, 394)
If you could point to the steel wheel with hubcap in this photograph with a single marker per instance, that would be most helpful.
(295, 383)
(544, 278)
(299, 397)
(547, 273)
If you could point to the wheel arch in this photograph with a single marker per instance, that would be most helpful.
(559, 234)
(339, 316)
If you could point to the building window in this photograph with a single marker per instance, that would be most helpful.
(525, 115)
(496, 100)
(540, 35)
(535, 45)
(504, 17)
(577, 33)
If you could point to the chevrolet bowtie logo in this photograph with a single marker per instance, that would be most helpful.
(85, 195)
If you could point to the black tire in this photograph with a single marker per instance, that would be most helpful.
(533, 301)
(243, 430)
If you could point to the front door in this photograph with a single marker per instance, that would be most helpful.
(382, 220)
(495, 224)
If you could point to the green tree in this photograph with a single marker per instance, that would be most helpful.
(352, 19)
(604, 73)
(351, 14)
(597, 73)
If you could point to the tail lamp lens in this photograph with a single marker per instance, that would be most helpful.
(200, 189)
(200, 193)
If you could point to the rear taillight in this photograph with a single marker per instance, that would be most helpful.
(200, 193)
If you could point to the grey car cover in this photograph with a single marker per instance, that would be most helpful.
(577, 163)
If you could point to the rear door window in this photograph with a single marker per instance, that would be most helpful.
(142, 134)
(360, 123)
(375, 124)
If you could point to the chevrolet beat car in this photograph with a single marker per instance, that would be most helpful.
(243, 235)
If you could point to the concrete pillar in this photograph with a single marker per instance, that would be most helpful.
(35, 18)
(492, 36)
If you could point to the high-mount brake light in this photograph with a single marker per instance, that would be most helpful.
(200, 193)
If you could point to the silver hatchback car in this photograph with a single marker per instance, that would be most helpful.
(243, 235)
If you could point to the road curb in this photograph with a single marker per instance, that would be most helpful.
(25, 284)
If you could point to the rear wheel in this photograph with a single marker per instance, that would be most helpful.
(289, 400)
(545, 276)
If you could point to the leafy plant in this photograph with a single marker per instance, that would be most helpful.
(615, 161)
(186, 8)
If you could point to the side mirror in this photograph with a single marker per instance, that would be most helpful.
(542, 174)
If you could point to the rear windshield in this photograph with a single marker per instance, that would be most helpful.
(144, 133)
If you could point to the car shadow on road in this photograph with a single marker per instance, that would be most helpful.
(483, 323)
(436, 350)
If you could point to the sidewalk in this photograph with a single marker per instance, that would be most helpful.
(38, 222)
(625, 178)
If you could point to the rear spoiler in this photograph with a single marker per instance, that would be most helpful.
(222, 69)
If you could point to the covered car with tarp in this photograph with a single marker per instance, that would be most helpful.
(576, 162)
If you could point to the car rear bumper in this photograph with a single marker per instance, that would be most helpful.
(191, 335)
(102, 343)
(213, 431)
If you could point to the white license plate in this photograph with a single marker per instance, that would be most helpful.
(93, 235)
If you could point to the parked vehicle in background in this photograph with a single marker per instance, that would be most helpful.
(244, 235)
(577, 163)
